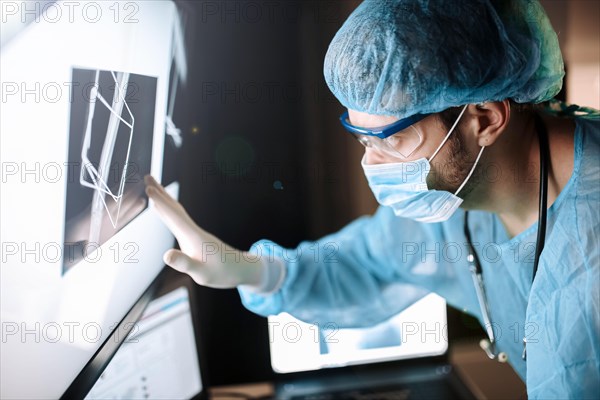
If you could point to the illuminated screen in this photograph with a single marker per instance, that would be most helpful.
(84, 98)
(418, 331)
(159, 359)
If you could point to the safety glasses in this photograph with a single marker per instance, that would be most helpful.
(399, 139)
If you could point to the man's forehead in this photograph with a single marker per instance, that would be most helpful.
(365, 120)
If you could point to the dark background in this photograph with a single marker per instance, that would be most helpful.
(264, 155)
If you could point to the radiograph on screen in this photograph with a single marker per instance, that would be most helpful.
(110, 151)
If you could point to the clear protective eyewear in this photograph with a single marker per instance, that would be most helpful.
(399, 139)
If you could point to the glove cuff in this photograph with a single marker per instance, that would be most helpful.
(273, 274)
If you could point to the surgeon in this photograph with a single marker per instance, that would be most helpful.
(468, 154)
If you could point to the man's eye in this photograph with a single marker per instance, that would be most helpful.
(394, 140)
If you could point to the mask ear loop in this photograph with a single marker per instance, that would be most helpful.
(476, 161)
(471, 172)
(449, 133)
(444, 142)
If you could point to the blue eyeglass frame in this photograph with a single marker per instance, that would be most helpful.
(383, 131)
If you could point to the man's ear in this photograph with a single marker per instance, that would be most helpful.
(488, 120)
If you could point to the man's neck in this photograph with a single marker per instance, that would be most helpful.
(515, 195)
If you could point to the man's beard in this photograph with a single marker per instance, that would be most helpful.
(450, 175)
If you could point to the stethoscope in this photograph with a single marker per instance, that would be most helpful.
(489, 345)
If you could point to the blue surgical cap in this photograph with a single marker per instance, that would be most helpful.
(406, 57)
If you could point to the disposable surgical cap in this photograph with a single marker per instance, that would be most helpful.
(405, 57)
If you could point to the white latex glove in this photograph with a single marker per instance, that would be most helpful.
(204, 257)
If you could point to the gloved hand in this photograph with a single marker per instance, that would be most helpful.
(204, 257)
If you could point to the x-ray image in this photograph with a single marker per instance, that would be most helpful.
(110, 151)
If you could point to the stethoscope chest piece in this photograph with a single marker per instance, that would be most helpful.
(490, 351)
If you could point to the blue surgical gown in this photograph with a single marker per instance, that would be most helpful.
(378, 265)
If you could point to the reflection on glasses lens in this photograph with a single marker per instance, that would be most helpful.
(364, 140)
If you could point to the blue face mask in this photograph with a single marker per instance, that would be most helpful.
(403, 186)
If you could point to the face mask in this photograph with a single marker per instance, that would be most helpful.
(403, 187)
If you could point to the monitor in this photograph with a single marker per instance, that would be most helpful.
(154, 352)
(159, 358)
(418, 331)
(85, 88)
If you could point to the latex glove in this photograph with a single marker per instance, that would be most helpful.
(204, 257)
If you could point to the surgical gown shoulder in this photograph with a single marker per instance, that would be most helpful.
(564, 305)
